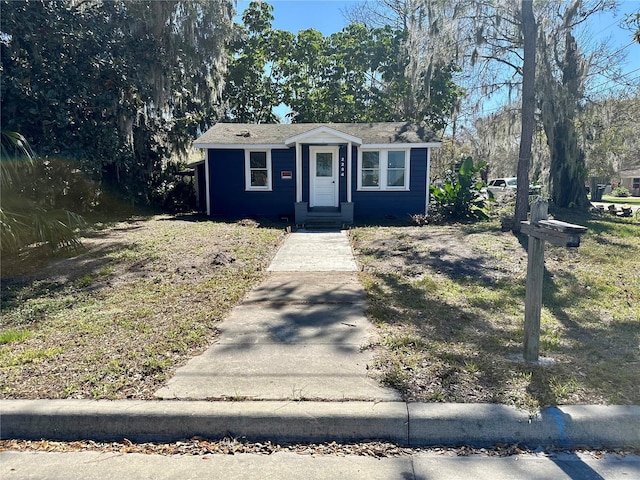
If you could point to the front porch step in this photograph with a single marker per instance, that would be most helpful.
(323, 214)
(323, 220)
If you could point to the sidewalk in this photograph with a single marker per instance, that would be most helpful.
(289, 366)
(106, 466)
(300, 335)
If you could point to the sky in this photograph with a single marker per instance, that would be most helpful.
(328, 16)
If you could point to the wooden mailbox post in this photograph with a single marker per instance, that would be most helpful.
(540, 229)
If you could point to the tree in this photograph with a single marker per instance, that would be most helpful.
(528, 112)
(430, 53)
(253, 84)
(633, 21)
(561, 78)
(356, 75)
(609, 134)
(563, 70)
(114, 87)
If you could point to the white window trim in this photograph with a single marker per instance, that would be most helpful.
(247, 171)
(383, 158)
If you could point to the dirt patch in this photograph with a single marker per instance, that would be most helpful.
(449, 251)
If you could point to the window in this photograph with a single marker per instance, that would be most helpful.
(370, 169)
(324, 164)
(258, 170)
(395, 169)
(636, 183)
(383, 170)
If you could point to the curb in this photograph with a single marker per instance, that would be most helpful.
(409, 424)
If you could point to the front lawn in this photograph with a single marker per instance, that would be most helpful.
(623, 200)
(116, 319)
(449, 303)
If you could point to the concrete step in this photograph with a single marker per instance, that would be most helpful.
(324, 220)
(314, 225)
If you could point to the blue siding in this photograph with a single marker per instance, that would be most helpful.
(342, 180)
(398, 204)
(227, 186)
(229, 198)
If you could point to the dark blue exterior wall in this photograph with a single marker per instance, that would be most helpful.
(229, 198)
(342, 175)
(227, 186)
(398, 204)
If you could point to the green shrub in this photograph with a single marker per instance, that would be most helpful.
(620, 192)
(460, 196)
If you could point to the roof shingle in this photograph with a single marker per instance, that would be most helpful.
(268, 134)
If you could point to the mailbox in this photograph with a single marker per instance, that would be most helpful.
(540, 229)
(554, 231)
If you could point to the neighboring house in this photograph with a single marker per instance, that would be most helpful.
(337, 171)
(631, 180)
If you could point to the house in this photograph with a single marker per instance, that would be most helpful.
(309, 172)
(631, 180)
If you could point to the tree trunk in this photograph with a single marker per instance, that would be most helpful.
(528, 110)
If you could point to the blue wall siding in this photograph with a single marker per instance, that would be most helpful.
(229, 198)
(227, 186)
(398, 204)
(342, 191)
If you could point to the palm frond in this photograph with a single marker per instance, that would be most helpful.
(16, 158)
(24, 221)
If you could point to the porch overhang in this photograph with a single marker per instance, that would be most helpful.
(323, 135)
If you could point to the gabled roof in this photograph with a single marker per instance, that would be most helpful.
(237, 135)
(324, 132)
(631, 173)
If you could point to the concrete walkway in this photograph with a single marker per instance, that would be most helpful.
(298, 336)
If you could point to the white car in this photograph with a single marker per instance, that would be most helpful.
(502, 184)
(510, 184)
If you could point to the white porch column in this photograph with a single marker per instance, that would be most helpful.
(206, 180)
(298, 172)
(349, 172)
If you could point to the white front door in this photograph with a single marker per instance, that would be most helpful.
(323, 187)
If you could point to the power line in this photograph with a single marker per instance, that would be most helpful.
(617, 80)
(617, 22)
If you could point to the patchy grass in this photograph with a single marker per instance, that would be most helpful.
(11, 336)
(449, 303)
(629, 200)
(115, 320)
